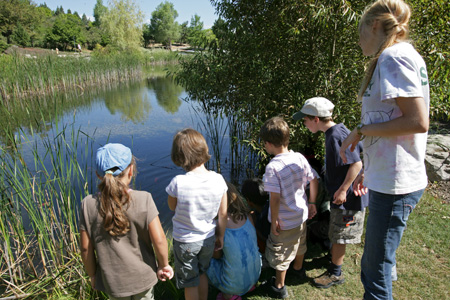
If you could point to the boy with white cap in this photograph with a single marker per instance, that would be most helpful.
(347, 209)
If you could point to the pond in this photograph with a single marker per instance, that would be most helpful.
(142, 115)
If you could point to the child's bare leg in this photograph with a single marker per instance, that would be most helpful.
(203, 287)
(191, 293)
(279, 279)
(298, 262)
(337, 254)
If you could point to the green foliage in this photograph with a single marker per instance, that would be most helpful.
(163, 25)
(270, 56)
(3, 44)
(66, 31)
(430, 26)
(196, 34)
(20, 36)
(99, 12)
(123, 24)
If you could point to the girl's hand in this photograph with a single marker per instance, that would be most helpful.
(312, 211)
(352, 140)
(275, 228)
(219, 244)
(165, 273)
(358, 186)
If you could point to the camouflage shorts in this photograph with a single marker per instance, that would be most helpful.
(346, 226)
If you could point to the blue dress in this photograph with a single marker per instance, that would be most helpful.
(240, 266)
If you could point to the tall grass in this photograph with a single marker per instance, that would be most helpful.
(41, 181)
(25, 76)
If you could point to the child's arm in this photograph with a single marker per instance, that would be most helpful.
(88, 256)
(172, 201)
(340, 196)
(222, 223)
(159, 242)
(313, 191)
(274, 209)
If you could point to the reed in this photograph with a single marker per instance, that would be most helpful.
(25, 76)
(40, 186)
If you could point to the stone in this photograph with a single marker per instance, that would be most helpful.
(437, 158)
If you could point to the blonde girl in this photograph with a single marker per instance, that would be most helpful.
(120, 231)
(236, 268)
(394, 125)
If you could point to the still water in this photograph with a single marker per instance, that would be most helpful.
(143, 116)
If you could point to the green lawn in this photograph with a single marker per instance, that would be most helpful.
(423, 262)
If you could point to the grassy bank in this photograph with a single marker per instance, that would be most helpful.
(31, 75)
(423, 263)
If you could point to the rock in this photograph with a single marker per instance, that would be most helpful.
(437, 158)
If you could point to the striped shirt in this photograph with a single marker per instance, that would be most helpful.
(198, 200)
(288, 174)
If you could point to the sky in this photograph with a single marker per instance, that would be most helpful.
(185, 8)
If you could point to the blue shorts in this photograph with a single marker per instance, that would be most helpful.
(192, 260)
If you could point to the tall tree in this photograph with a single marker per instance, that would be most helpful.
(14, 12)
(99, 11)
(66, 31)
(196, 34)
(123, 23)
(163, 23)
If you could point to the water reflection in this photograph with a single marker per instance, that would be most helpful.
(131, 101)
(167, 93)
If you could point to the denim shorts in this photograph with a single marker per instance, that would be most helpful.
(384, 230)
(346, 226)
(192, 260)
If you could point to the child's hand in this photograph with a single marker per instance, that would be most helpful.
(165, 273)
(312, 211)
(275, 228)
(340, 197)
(92, 281)
(219, 244)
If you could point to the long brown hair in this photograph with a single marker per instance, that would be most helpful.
(237, 208)
(394, 17)
(114, 201)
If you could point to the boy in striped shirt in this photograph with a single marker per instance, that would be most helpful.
(286, 177)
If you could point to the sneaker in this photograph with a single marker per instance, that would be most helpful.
(279, 293)
(299, 274)
(326, 280)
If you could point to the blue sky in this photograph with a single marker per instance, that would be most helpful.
(185, 8)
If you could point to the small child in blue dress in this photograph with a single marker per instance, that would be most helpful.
(235, 269)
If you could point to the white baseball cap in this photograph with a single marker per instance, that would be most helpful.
(317, 106)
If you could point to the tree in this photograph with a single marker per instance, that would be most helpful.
(14, 12)
(196, 35)
(20, 36)
(67, 30)
(184, 32)
(147, 34)
(270, 56)
(123, 23)
(163, 24)
(99, 11)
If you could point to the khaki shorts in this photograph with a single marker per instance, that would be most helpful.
(145, 295)
(346, 226)
(281, 249)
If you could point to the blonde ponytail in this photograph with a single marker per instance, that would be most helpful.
(114, 201)
(393, 16)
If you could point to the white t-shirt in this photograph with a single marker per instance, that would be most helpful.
(395, 165)
(288, 174)
(198, 200)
